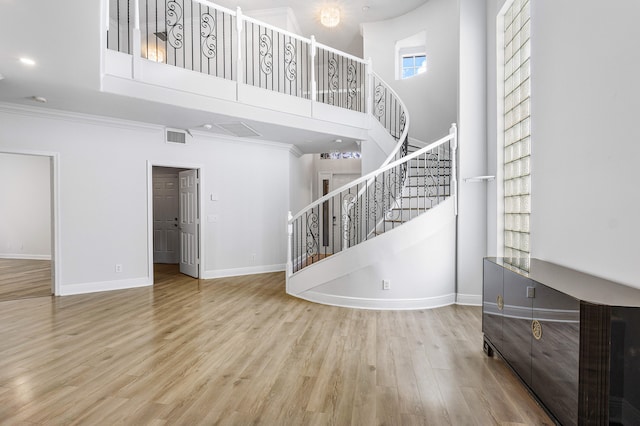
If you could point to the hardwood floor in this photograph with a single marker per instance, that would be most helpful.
(24, 278)
(239, 351)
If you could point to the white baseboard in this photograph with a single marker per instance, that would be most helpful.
(71, 289)
(378, 304)
(251, 270)
(469, 299)
(25, 256)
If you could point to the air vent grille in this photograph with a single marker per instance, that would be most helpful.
(239, 129)
(174, 136)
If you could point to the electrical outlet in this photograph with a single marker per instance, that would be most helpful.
(118, 267)
(386, 284)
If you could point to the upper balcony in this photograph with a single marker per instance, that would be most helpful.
(201, 56)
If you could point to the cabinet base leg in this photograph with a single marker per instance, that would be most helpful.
(486, 347)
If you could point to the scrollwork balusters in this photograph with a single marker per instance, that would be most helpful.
(290, 61)
(333, 79)
(266, 55)
(379, 100)
(313, 231)
(208, 30)
(175, 26)
(351, 85)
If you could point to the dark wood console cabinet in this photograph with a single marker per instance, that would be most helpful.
(572, 338)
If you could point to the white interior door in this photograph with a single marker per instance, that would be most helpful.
(189, 223)
(165, 220)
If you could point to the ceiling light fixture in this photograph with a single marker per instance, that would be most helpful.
(27, 61)
(40, 99)
(338, 140)
(330, 16)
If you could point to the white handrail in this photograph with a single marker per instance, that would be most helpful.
(373, 174)
(276, 29)
(405, 131)
(338, 52)
(216, 6)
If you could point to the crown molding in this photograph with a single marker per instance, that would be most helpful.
(98, 120)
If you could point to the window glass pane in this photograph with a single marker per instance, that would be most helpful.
(407, 61)
(420, 60)
(408, 72)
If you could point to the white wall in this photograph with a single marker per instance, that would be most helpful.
(301, 177)
(431, 98)
(585, 105)
(25, 207)
(103, 195)
(585, 101)
(472, 196)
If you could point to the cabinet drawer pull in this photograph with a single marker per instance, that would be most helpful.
(500, 302)
(536, 329)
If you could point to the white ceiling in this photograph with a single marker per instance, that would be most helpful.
(346, 36)
(62, 37)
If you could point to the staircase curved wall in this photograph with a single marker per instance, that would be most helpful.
(418, 258)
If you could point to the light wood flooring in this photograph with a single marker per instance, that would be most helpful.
(24, 278)
(239, 351)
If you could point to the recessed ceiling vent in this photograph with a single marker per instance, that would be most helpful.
(176, 136)
(239, 129)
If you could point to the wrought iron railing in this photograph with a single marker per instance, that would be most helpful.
(373, 204)
(341, 79)
(201, 36)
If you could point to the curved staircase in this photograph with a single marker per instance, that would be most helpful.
(386, 240)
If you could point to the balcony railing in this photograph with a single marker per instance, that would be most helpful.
(201, 36)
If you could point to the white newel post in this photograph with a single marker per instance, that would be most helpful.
(453, 131)
(289, 261)
(314, 95)
(369, 86)
(137, 42)
(239, 23)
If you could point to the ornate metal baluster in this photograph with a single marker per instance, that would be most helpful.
(333, 79)
(348, 220)
(351, 85)
(379, 100)
(175, 25)
(313, 230)
(208, 30)
(290, 61)
(266, 57)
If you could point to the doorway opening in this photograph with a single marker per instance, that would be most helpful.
(27, 225)
(175, 217)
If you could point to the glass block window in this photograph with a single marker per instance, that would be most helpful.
(517, 132)
(336, 155)
(413, 65)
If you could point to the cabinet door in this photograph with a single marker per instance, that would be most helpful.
(516, 325)
(555, 352)
(492, 298)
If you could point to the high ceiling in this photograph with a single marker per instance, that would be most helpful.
(68, 59)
